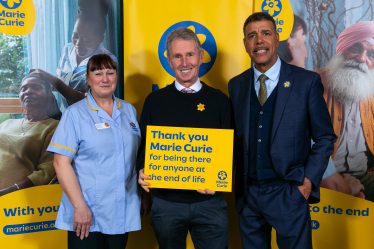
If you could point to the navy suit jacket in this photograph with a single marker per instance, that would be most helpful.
(300, 115)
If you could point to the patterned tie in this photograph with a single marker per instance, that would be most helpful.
(262, 96)
(187, 90)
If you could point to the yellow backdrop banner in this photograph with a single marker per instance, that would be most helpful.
(189, 158)
(27, 218)
(340, 221)
(218, 24)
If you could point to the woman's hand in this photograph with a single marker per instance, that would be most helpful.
(82, 221)
(7, 190)
(51, 78)
(71, 95)
(27, 183)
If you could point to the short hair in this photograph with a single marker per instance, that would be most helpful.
(41, 79)
(283, 50)
(259, 16)
(94, 13)
(53, 110)
(99, 62)
(297, 23)
(185, 34)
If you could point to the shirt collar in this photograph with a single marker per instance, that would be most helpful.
(272, 73)
(73, 56)
(196, 86)
(95, 107)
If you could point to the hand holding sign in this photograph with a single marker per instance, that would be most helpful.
(206, 192)
(141, 179)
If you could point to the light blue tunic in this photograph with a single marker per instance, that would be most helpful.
(104, 163)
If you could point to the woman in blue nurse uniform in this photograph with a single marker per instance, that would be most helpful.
(95, 147)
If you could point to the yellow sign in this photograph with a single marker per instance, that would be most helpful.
(281, 11)
(17, 17)
(27, 218)
(189, 158)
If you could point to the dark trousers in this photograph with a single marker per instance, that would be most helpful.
(282, 207)
(207, 222)
(97, 240)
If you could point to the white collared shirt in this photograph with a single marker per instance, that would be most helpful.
(273, 77)
(195, 87)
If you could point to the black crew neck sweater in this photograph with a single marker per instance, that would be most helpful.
(170, 107)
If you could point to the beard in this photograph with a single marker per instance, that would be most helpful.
(350, 80)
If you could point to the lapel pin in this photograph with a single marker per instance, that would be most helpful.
(200, 107)
(133, 126)
(286, 84)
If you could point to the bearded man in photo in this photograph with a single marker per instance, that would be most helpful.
(348, 80)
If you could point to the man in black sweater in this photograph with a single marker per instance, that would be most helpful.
(175, 212)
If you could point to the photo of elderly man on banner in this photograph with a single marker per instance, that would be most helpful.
(349, 89)
(345, 62)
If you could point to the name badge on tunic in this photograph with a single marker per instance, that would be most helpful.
(102, 126)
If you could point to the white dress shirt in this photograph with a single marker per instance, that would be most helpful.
(195, 87)
(273, 77)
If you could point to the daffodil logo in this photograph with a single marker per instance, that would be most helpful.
(200, 107)
(11, 4)
(272, 7)
(207, 42)
(222, 175)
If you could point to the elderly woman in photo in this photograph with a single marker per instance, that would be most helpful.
(95, 148)
(24, 161)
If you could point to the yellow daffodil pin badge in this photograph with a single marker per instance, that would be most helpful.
(200, 107)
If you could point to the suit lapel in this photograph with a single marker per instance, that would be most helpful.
(283, 92)
(245, 96)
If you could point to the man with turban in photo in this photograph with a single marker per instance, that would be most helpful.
(348, 80)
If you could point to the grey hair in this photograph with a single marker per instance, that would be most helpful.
(185, 34)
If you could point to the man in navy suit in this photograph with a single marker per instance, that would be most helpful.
(278, 109)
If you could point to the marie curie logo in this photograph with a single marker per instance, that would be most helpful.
(222, 175)
(17, 17)
(207, 42)
(272, 7)
(11, 4)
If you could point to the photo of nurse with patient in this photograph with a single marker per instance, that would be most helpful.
(54, 80)
(86, 40)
